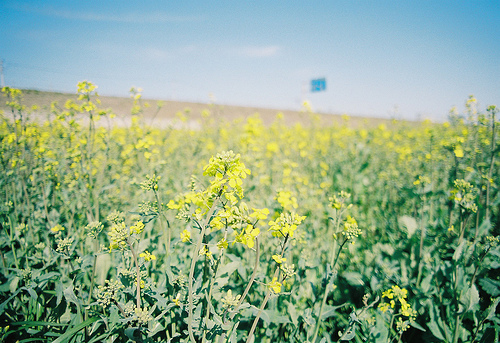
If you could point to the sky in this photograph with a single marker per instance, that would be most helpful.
(392, 59)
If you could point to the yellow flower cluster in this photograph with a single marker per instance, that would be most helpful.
(285, 225)
(230, 300)
(147, 256)
(351, 229)
(398, 304)
(464, 195)
(275, 286)
(109, 293)
(185, 236)
(137, 228)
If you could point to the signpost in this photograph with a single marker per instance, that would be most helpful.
(318, 85)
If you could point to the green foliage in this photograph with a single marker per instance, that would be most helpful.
(307, 234)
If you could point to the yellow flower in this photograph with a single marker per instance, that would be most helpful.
(388, 294)
(222, 244)
(384, 307)
(459, 151)
(185, 236)
(206, 252)
(279, 259)
(137, 228)
(147, 256)
(57, 228)
(275, 286)
(247, 236)
(260, 214)
(176, 300)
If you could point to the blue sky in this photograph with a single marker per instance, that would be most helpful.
(404, 59)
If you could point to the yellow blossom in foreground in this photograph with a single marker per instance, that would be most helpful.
(206, 252)
(176, 300)
(275, 286)
(185, 236)
(279, 259)
(222, 244)
(247, 236)
(147, 256)
(260, 214)
(137, 228)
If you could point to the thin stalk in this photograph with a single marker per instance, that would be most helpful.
(138, 271)
(479, 265)
(92, 283)
(247, 289)
(391, 324)
(209, 297)
(252, 279)
(191, 270)
(492, 162)
(268, 295)
(162, 226)
(421, 248)
(333, 263)
(257, 317)
(458, 318)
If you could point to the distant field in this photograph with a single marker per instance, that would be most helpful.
(121, 106)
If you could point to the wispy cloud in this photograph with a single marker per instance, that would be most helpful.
(157, 17)
(145, 53)
(259, 51)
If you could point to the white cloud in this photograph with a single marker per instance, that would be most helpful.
(259, 51)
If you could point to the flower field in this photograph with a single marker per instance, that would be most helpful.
(245, 232)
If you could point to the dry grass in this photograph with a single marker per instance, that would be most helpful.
(166, 115)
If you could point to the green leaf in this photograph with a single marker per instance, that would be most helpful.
(292, 313)
(492, 309)
(436, 325)
(353, 278)
(32, 293)
(133, 333)
(31, 323)
(347, 336)
(409, 223)
(492, 287)
(59, 292)
(228, 268)
(458, 252)
(417, 326)
(13, 283)
(73, 331)
(329, 311)
(425, 285)
(70, 296)
(469, 299)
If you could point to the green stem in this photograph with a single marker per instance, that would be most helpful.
(138, 271)
(209, 297)
(257, 317)
(162, 226)
(268, 295)
(421, 249)
(333, 263)
(247, 289)
(92, 282)
(492, 163)
(194, 257)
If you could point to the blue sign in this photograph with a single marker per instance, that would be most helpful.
(318, 85)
